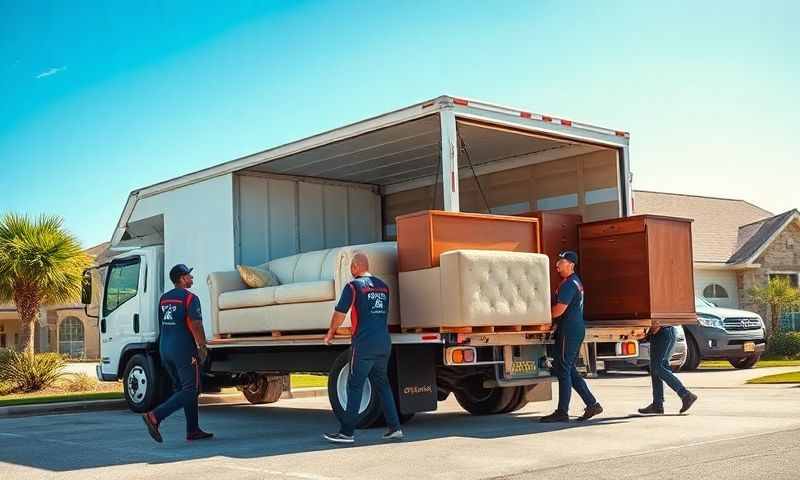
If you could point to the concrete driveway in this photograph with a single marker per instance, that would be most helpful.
(732, 430)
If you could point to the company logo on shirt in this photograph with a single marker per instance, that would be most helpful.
(168, 314)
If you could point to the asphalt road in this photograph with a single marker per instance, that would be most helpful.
(734, 431)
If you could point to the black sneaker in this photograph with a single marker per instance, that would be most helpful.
(557, 416)
(395, 434)
(199, 435)
(338, 438)
(590, 412)
(152, 426)
(688, 401)
(652, 409)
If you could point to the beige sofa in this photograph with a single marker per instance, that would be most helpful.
(311, 283)
(478, 288)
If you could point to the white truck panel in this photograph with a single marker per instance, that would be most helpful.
(198, 230)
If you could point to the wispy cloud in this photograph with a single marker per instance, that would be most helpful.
(50, 72)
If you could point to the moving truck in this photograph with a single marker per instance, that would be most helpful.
(303, 208)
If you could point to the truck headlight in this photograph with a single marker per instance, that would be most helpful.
(707, 320)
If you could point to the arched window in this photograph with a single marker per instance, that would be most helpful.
(715, 291)
(71, 337)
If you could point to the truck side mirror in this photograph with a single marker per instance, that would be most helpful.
(86, 287)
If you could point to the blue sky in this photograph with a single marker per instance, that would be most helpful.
(100, 98)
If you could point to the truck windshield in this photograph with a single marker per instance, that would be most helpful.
(702, 302)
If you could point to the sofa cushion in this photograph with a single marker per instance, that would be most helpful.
(319, 291)
(252, 297)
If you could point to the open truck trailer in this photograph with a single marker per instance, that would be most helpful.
(302, 209)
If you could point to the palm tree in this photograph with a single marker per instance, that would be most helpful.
(40, 264)
(779, 295)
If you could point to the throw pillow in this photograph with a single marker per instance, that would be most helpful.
(255, 277)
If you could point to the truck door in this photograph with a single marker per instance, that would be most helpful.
(121, 315)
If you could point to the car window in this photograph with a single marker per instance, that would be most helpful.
(122, 284)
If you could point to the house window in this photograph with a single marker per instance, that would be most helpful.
(715, 291)
(71, 337)
(792, 277)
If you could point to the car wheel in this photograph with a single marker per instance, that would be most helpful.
(745, 362)
(692, 355)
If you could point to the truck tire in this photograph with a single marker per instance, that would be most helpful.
(370, 413)
(692, 355)
(266, 389)
(142, 383)
(744, 362)
(517, 402)
(477, 400)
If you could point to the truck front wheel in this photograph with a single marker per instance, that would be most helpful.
(369, 413)
(266, 389)
(478, 400)
(141, 382)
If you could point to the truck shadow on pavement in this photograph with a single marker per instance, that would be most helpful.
(71, 442)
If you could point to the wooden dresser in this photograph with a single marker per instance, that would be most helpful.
(638, 271)
(423, 236)
(559, 232)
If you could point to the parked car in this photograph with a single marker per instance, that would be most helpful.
(724, 333)
(676, 359)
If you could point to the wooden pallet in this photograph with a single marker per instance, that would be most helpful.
(481, 329)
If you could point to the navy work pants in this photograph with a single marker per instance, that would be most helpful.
(184, 370)
(565, 353)
(373, 367)
(661, 345)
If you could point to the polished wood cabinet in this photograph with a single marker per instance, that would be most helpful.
(423, 236)
(638, 270)
(559, 232)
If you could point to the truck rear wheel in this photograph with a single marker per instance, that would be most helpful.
(141, 383)
(518, 401)
(266, 389)
(478, 400)
(370, 413)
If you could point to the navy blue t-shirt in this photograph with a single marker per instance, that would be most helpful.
(570, 293)
(176, 309)
(367, 299)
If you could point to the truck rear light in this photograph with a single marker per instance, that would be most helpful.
(460, 356)
(629, 348)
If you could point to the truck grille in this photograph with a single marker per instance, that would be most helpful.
(740, 324)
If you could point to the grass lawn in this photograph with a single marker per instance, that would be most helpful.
(791, 377)
(723, 364)
(308, 381)
(48, 397)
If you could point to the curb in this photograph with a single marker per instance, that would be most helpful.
(120, 404)
(62, 407)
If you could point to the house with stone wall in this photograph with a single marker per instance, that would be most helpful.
(736, 245)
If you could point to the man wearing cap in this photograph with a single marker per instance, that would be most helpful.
(182, 347)
(569, 333)
(367, 299)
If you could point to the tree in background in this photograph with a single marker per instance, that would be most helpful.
(779, 295)
(40, 264)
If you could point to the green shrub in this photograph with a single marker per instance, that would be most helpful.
(784, 345)
(25, 372)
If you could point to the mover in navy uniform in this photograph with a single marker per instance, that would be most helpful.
(570, 332)
(182, 347)
(367, 299)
